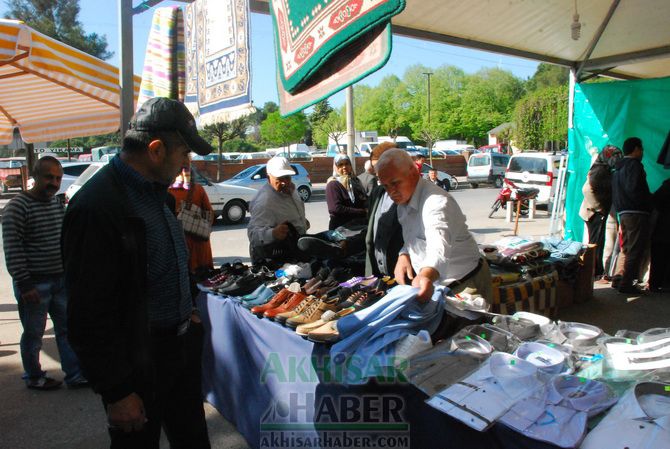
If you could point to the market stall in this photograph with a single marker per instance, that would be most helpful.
(379, 378)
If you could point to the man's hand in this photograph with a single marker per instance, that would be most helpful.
(425, 286)
(403, 269)
(280, 231)
(424, 282)
(127, 414)
(31, 296)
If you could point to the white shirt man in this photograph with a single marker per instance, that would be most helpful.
(275, 208)
(438, 246)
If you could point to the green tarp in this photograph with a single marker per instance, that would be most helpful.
(609, 113)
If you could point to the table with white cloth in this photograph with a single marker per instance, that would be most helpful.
(276, 389)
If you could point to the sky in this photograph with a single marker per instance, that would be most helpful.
(101, 16)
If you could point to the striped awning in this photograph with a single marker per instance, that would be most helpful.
(50, 91)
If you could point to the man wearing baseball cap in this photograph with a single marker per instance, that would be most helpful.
(131, 315)
(277, 217)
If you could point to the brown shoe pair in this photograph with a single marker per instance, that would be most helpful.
(324, 329)
(311, 313)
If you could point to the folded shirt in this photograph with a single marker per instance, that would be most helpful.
(558, 412)
(488, 393)
(641, 420)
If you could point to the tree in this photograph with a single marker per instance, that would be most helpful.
(331, 127)
(278, 130)
(223, 132)
(321, 112)
(542, 117)
(548, 75)
(58, 19)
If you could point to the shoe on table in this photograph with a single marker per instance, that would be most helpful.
(327, 333)
(312, 313)
(276, 301)
(44, 383)
(304, 304)
(291, 303)
(304, 329)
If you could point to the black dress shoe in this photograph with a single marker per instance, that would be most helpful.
(243, 285)
(320, 248)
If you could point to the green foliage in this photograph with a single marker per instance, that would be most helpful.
(541, 117)
(58, 19)
(240, 146)
(321, 112)
(334, 127)
(461, 106)
(113, 139)
(277, 130)
(548, 75)
(222, 132)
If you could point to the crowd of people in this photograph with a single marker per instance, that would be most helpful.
(623, 218)
(119, 269)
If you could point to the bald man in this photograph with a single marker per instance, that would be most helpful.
(439, 249)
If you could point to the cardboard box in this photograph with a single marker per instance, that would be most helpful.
(537, 295)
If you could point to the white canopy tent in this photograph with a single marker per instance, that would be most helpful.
(625, 39)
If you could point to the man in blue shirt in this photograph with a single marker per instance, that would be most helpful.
(132, 320)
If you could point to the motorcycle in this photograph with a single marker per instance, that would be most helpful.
(511, 192)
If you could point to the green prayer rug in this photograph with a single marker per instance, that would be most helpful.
(309, 33)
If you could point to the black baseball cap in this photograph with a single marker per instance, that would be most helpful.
(164, 114)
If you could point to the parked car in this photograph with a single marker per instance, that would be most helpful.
(228, 201)
(502, 148)
(10, 172)
(247, 156)
(442, 176)
(487, 168)
(256, 177)
(334, 150)
(71, 171)
(295, 155)
(538, 170)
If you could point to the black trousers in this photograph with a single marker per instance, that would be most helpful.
(175, 403)
(596, 228)
(636, 237)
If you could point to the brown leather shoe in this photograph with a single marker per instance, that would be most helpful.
(276, 301)
(291, 303)
(283, 316)
(304, 329)
(311, 313)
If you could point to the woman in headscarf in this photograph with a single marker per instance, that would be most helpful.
(597, 203)
(200, 251)
(345, 195)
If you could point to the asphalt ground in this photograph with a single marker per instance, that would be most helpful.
(74, 419)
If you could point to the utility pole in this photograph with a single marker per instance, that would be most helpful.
(428, 131)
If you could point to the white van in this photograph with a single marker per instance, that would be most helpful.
(487, 168)
(400, 142)
(535, 170)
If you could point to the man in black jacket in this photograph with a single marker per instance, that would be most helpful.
(130, 309)
(633, 203)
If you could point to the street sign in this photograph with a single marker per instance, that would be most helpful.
(59, 150)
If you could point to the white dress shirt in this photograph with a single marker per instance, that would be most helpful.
(270, 208)
(436, 234)
(547, 359)
(484, 396)
(641, 420)
(558, 412)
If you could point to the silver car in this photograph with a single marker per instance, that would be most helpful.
(230, 202)
(256, 177)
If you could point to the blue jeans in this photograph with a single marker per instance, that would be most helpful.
(53, 301)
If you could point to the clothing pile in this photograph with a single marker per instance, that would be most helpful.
(552, 381)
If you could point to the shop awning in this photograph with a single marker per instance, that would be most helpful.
(49, 90)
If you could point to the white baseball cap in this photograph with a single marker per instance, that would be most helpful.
(278, 167)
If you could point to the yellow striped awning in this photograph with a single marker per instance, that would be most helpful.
(50, 91)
